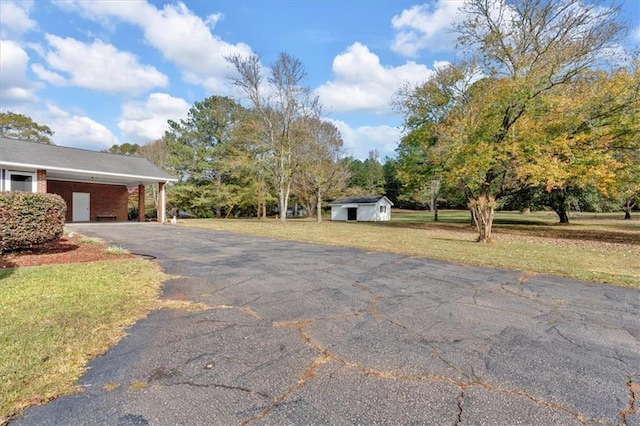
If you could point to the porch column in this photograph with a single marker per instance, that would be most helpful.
(162, 208)
(140, 203)
(41, 177)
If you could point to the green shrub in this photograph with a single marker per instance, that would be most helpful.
(28, 219)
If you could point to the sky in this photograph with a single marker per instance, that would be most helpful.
(105, 72)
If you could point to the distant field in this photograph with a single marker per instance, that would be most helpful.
(594, 247)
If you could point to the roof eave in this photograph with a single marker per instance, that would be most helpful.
(90, 172)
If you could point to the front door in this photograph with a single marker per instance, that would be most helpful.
(80, 207)
(352, 213)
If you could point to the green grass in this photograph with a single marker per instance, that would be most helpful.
(53, 319)
(600, 248)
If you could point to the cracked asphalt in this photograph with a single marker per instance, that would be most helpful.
(293, 333)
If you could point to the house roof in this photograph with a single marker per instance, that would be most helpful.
(360, 200)
(69, 163)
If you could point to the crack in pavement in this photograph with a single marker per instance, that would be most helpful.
(309, 373)
(634, 390)
(459, 401)
(326, 356)
(524, 278)
(232, 285)
(553, 304)
(372, 310)
(222, 386)
(614, 358)
(244, 309)
(329, 356)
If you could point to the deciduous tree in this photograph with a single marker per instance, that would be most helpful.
(282, 106)
(322, 171)
(517, 52)
(585, 135)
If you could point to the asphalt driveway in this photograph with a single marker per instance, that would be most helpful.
(293, 333)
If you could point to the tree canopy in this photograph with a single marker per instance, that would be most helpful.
(203, 153)
(18, 126)
(281, 109)
(480, 122)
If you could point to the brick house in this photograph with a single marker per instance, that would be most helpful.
(95, 185)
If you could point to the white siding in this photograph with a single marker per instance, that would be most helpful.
(366, 212)
(338, 213)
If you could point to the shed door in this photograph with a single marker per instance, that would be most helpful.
(352, 213)
(80, 210)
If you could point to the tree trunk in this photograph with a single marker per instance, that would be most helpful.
(561, 210)
(563, 216)
(435, 213)
(560, 206)
(219, 208)
(282, 207)
(259, 210)
(628, 206)
(319, 206)
(482, 209)
(283, 201)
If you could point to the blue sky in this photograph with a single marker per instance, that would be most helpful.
(104, 72)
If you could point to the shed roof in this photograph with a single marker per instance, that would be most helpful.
(66, 162)
(372, 199)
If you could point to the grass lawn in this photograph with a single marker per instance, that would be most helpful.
(54, 319)
(594, 247)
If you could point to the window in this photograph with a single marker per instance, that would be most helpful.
(383, 209)
(20, 181)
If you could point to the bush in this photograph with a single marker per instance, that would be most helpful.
(28, 219)
(133, 213)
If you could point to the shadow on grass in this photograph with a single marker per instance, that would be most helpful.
(576, 234)
(609, 233)
(6, 271)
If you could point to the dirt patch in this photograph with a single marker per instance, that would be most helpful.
(69, 249)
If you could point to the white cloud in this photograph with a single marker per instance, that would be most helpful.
(426, 26)
(181, 36)
(97, 66)
(636, 34)
(361, 83)
(14, 85)
(75, 130)
(360, 140)
(14, 18)
(146, 121)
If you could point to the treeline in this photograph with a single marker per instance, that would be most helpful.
(541, 110)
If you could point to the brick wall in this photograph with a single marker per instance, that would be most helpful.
(103, 199)
(41, 177)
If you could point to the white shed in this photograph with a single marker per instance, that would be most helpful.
(361, 209)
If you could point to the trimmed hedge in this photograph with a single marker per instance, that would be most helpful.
(28, 219)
